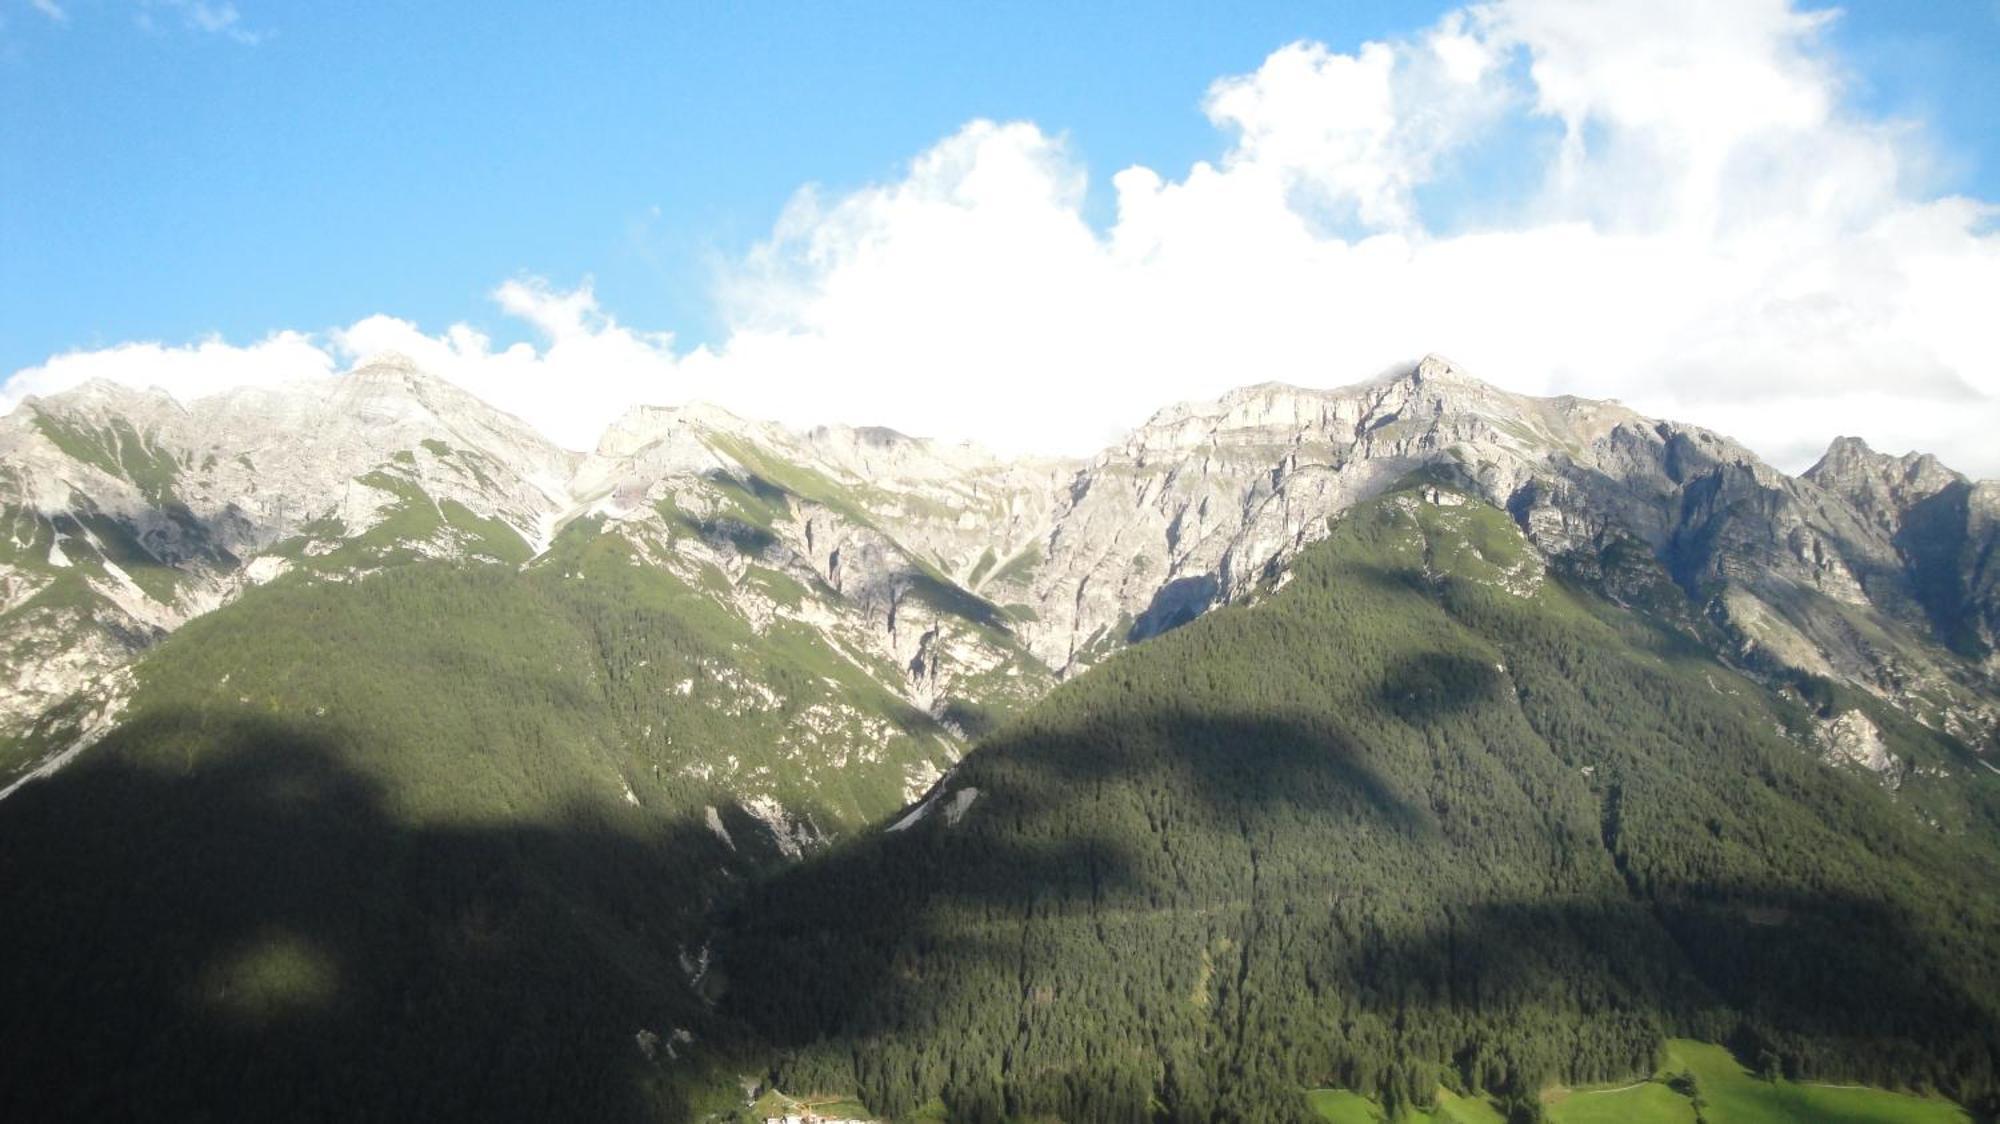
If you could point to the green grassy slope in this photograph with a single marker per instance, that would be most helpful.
(1646, 1103)
(1698, 1083)
(1344, 1107)
(1424, 815)
(1733, 1095)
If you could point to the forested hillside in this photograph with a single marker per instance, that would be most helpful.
(1428, 814)
(439, 842)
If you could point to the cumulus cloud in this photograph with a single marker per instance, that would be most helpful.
(586, 370)
(186, 372)
(1712, 234)
(1357, 134)
(1679, 206)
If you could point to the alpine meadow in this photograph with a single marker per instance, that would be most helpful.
(550, 718)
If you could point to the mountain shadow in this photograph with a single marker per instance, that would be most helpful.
(445, 841)
(260, 935)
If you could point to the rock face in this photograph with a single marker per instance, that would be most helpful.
(966, 582)
(1870, 570)
(1939, 529)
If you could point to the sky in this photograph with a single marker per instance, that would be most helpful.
(1024, 224)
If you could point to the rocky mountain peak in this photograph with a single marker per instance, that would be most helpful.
(1435, 369)
(876, 452)
(388, 365)
(393, 377)
(671, 437)
(101, 399)
(1882, 488)
(1847, 450)
(382, 387)
(1850, 460)
(1425, 392)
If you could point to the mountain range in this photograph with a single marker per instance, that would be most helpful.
(1406, 736)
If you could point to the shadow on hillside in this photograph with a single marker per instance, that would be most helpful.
(1834, 983)
(258, 935)
(1430, 685)
(1936, 538)
(727, 532)
(1052, 847)
(1173, 605)
(1000, 955)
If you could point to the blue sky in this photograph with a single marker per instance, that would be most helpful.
(167, 182)
(357, 158)
(176, 169)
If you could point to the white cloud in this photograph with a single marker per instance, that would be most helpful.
(1714, 237)
(210, 17)
(1358, 133)
(1713, 233)
(587, 370)
(185, 372)
(51, 9)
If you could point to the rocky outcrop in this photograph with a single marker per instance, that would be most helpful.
(1852, 739)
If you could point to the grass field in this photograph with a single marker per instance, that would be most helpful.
(1343, 1107)
(1736, 1097)
(1731, 1095)
(1649, 1103)
(1465, 1110)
